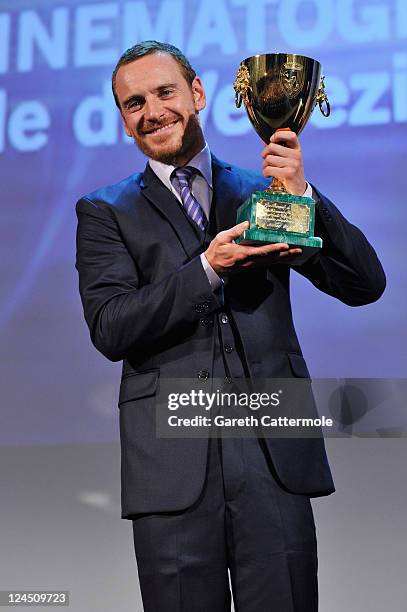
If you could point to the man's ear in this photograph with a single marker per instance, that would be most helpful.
(198, 93)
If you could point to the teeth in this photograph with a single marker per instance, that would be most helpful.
(164, 127)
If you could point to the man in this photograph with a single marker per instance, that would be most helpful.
(167, 290)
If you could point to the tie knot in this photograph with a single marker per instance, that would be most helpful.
(184, 174)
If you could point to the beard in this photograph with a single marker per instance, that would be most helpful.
(175, 153)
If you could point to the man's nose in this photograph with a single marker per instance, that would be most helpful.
(153, 109)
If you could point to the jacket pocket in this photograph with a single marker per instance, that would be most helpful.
(138, 385)
(298, 365)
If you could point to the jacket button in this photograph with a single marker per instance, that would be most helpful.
(203, 374)
(224, 319)
(199, 308)
(228, 348)
(205, 321)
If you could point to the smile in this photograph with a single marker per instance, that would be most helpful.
(163, 128)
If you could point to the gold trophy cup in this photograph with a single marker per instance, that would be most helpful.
(280, 91)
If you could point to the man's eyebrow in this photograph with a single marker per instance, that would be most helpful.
(138, 97)
(165, 86)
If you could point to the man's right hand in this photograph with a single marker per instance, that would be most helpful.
(223, 255)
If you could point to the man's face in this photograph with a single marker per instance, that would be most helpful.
(160, 108)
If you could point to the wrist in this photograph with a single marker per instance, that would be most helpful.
(301, 189)
(208, 258)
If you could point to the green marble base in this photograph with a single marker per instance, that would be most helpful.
(280, 217)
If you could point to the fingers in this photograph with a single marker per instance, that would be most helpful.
(284, 144)
(288, 137)
(244, 251)
(286, 172)
(285, 162)
(224, 255)
(233, 233)
(288, 167)
(259, 251)
(295, 251)
(274, 257)
(278, 249)
(274, 160)
(278, 150)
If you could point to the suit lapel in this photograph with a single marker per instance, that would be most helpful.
(168, 205)
(226, 198)
(226, 194)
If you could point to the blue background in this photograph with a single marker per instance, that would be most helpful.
(60, 137)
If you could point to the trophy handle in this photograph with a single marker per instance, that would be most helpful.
(321, 99)
(241, 84)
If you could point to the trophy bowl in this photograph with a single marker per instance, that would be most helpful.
(280, 91)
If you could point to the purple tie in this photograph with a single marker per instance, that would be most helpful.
(193, 208)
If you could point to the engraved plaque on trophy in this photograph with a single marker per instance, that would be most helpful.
(279, 92)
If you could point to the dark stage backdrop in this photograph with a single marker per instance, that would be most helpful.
(60, 137)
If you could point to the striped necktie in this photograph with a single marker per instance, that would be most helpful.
(184, 176)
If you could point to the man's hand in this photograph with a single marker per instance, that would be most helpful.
(223, 255)
(285, 162)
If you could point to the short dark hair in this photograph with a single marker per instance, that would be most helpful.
(147, 47)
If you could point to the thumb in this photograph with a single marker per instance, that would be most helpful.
(235, 231)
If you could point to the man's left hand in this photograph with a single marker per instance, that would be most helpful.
(285, 162)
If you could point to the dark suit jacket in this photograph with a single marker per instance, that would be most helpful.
(143, 290)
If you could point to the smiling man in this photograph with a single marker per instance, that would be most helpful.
(166, 289)
(159, 106)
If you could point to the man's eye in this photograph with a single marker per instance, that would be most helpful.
(134, 104)
(166, 92)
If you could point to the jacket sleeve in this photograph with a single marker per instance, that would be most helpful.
(347, 266)
(123, 316)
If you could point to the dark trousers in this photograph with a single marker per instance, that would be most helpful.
(242, 521)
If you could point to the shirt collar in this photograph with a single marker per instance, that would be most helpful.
(201, 161)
